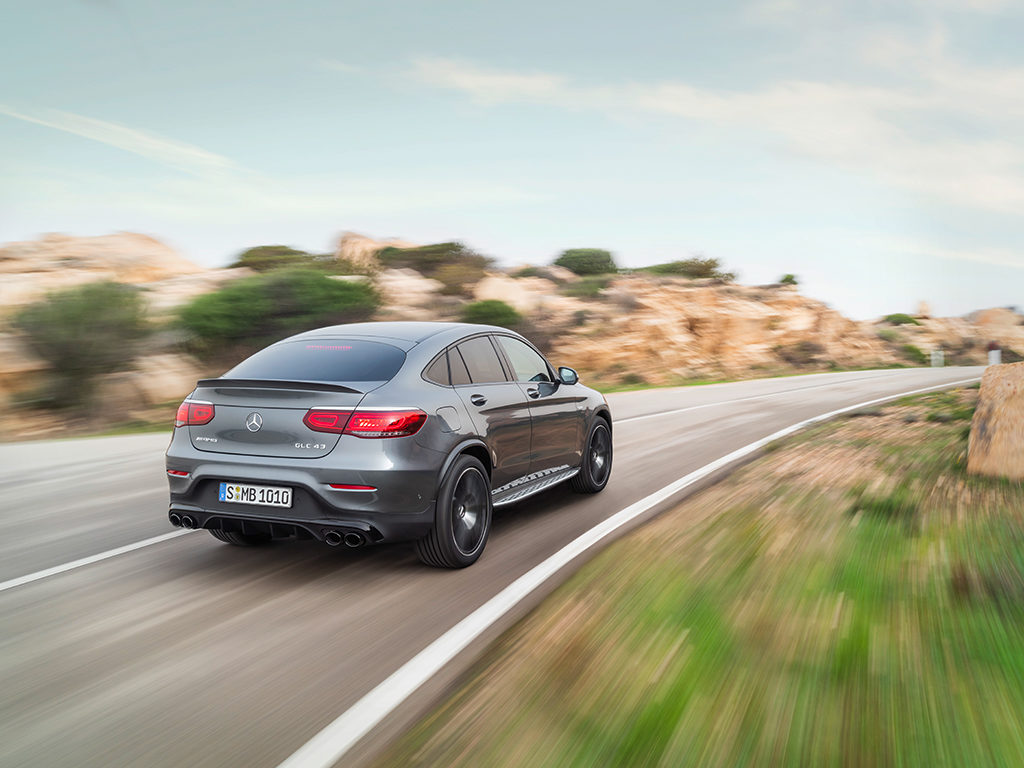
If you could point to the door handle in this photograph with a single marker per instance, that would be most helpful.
(533, 392)
(477, 399)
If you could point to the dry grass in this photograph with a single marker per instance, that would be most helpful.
(853, 598)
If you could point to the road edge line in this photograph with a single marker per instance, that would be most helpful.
(332, 742)
(29, 578)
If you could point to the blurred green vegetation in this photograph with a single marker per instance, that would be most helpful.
(249, 314)
(789, 279)
(914, 354)
(83, 332)
(266, 258)
(454, 264)
(851, 599)
(587, 261)
(900, 319)
(695, 268)
(586, 288)
(491, 312)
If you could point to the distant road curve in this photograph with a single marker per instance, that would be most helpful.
(119, 650)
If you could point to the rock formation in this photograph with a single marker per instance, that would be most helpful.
(361, 250)
(996, 446)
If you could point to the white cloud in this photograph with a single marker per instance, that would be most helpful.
(176, 154)
(900, 133)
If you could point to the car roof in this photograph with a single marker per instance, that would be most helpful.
(413, 332)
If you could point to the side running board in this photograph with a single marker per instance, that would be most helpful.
(530, 484)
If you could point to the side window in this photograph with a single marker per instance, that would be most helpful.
(437, 371)
(527, 364)
(460, 374)
(482, 360)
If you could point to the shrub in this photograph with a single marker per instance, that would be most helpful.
(888, 334)
(266, 258)
(587, 288)
(82, 332)
(256, 311)
(429, 259)
(914, 355)
(801, 353)
(491, 312)
(587, 261)
(900, 319)
(789, 279)
(694, 268)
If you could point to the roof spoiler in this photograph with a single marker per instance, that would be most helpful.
(318, 386)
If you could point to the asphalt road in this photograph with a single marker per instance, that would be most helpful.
(190, 652)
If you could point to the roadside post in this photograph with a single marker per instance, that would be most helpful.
(938, 358)
(995, 354)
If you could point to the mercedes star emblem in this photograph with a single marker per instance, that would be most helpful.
(253, 422)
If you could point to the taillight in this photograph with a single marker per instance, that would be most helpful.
(365, 423)
(322, 420)
(385, 423)
(193, 413)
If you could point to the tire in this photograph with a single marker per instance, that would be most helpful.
(238, 539)
(462, 520)
(596, 466)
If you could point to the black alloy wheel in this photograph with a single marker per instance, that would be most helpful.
(462, 521)
(596, 466)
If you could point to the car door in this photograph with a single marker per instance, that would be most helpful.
(556, 418)
(498, 407)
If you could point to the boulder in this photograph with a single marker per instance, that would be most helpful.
(165, 378)
(996, 446)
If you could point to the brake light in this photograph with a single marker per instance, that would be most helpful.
(194, 413)
(385, 423)
(326, 421)
(177, 473)
(350, 487)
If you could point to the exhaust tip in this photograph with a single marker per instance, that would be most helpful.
(333, 538)
(187, 521)
(354, 540)
(175, 519)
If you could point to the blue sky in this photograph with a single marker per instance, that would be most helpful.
(874, 149)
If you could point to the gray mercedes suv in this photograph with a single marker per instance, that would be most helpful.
(372, 432)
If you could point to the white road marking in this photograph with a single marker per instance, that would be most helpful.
(27, 579)
(331, 744)
(739, 400)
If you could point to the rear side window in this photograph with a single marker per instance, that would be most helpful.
(322, 360)
(460, 373)
(437, 371)
(482, 360)
(526, 363)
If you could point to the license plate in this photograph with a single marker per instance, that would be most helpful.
(261, 495)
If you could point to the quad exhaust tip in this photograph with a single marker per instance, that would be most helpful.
(187, 521)
(333, 538)
(175, 519)
(354, 540)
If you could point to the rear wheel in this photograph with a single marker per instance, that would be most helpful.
(462, 521)
(238, 539)
(596, 467)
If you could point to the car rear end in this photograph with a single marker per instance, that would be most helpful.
(302, 440)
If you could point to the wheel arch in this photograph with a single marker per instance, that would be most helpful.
(475, 448)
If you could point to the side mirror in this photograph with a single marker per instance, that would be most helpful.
(567, 375)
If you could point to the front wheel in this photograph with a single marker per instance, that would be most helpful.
(596, 467)
(462, 520)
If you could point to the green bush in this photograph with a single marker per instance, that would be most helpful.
(82, 332)
(491, 312)
(914, 355)
(455, 265)
(256, 311)
(789, 279)
(801, 353)
(587, 261)
(266, 258)
(695, 268)
(900, 319)
(587, 288)
(888, 334)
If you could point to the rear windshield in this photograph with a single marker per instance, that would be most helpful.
(322, 360)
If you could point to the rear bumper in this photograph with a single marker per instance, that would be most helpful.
(401, 507)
